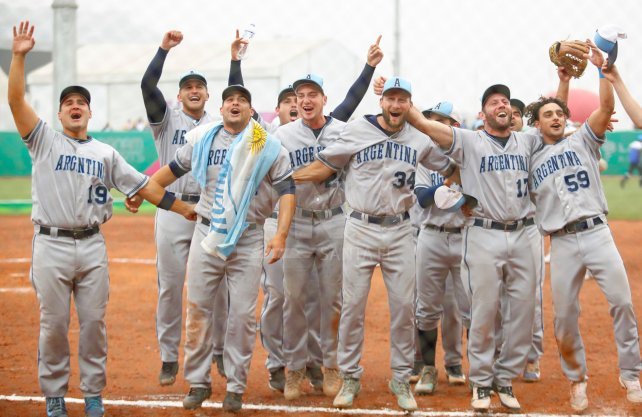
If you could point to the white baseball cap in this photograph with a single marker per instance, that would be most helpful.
(448, 199)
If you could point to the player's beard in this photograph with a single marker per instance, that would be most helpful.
(495, 124)
(393, 126)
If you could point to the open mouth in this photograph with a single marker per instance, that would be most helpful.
(76, 116)
(235, 112)
(308, 109)
(195, 99)
(556, 125)
(395, 114)
(502, 114)
(294, 113)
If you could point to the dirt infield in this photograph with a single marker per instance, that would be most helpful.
(134, 362)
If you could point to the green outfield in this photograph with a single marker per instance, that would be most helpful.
(624, 203)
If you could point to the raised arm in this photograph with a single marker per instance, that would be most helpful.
(631, 106)
(564, 86)
(440, 133)
(356, 92)
(155, 104)
(23, 114)
(599, 120)
(236, 76)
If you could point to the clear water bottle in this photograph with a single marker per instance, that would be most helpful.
(248, 34)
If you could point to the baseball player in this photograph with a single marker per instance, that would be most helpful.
(438, 262)
(566, 187)
(380, 155)
(272, 313)
(494, 170)
(316, 239)
(72, 176)
(173, 234)
(204, 153)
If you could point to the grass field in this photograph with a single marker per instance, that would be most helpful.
(624, 203)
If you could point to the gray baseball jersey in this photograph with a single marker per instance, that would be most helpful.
(169, 136)
(565, 181)
(313, 242)
(302, 147)
(374, 161)
(498, 249)
(571, 206)
(242, 271)
(493, 174)
(173, 235)
(70, 190)
(262, 204)
(380, 175)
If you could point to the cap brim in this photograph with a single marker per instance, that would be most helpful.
(236, 88)
(299, 83)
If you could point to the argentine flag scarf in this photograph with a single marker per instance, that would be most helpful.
(247, 161)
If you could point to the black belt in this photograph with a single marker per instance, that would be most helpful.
(74, 233)
(579, 226)
(190, 198)
(443, 229)
(206, 222)
(319, 214)
(381, 220)
(506, 227)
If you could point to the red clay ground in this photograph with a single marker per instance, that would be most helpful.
(133, 363)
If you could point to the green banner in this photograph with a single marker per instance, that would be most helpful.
(616, 150)
(136, 147)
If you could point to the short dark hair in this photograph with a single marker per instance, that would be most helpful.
(532, 110)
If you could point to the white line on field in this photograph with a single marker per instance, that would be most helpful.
(16, 290)
(142, 261)
(291, 409)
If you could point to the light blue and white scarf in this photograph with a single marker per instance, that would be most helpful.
(247, 161)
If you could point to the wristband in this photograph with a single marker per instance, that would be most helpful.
(167, 201)
(599, 72)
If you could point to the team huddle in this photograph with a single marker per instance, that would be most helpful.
(306, 208)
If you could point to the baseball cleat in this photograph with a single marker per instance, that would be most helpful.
(579, 400)
(405, 399)
(94, 406)
(455, 375)
(195, 397)
(481, 398)
(349, 391)
(168, 373)
(428, 382)
(233, 402)
(56, 407)
(293, 381)
(507, 398)
(531, 372)
(332, 382)
(633, 390)
(416, 371)
(277, 380)
(314, 374)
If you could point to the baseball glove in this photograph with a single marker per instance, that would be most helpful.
(570, 55)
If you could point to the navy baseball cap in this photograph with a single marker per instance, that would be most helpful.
(309, 79)
(514, 102)
(495, 89)
(192, 75)
(237, 88)
(75, 89)
(396, 83)
(287, 91)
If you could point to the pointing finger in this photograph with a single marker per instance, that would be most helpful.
(378, 40)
